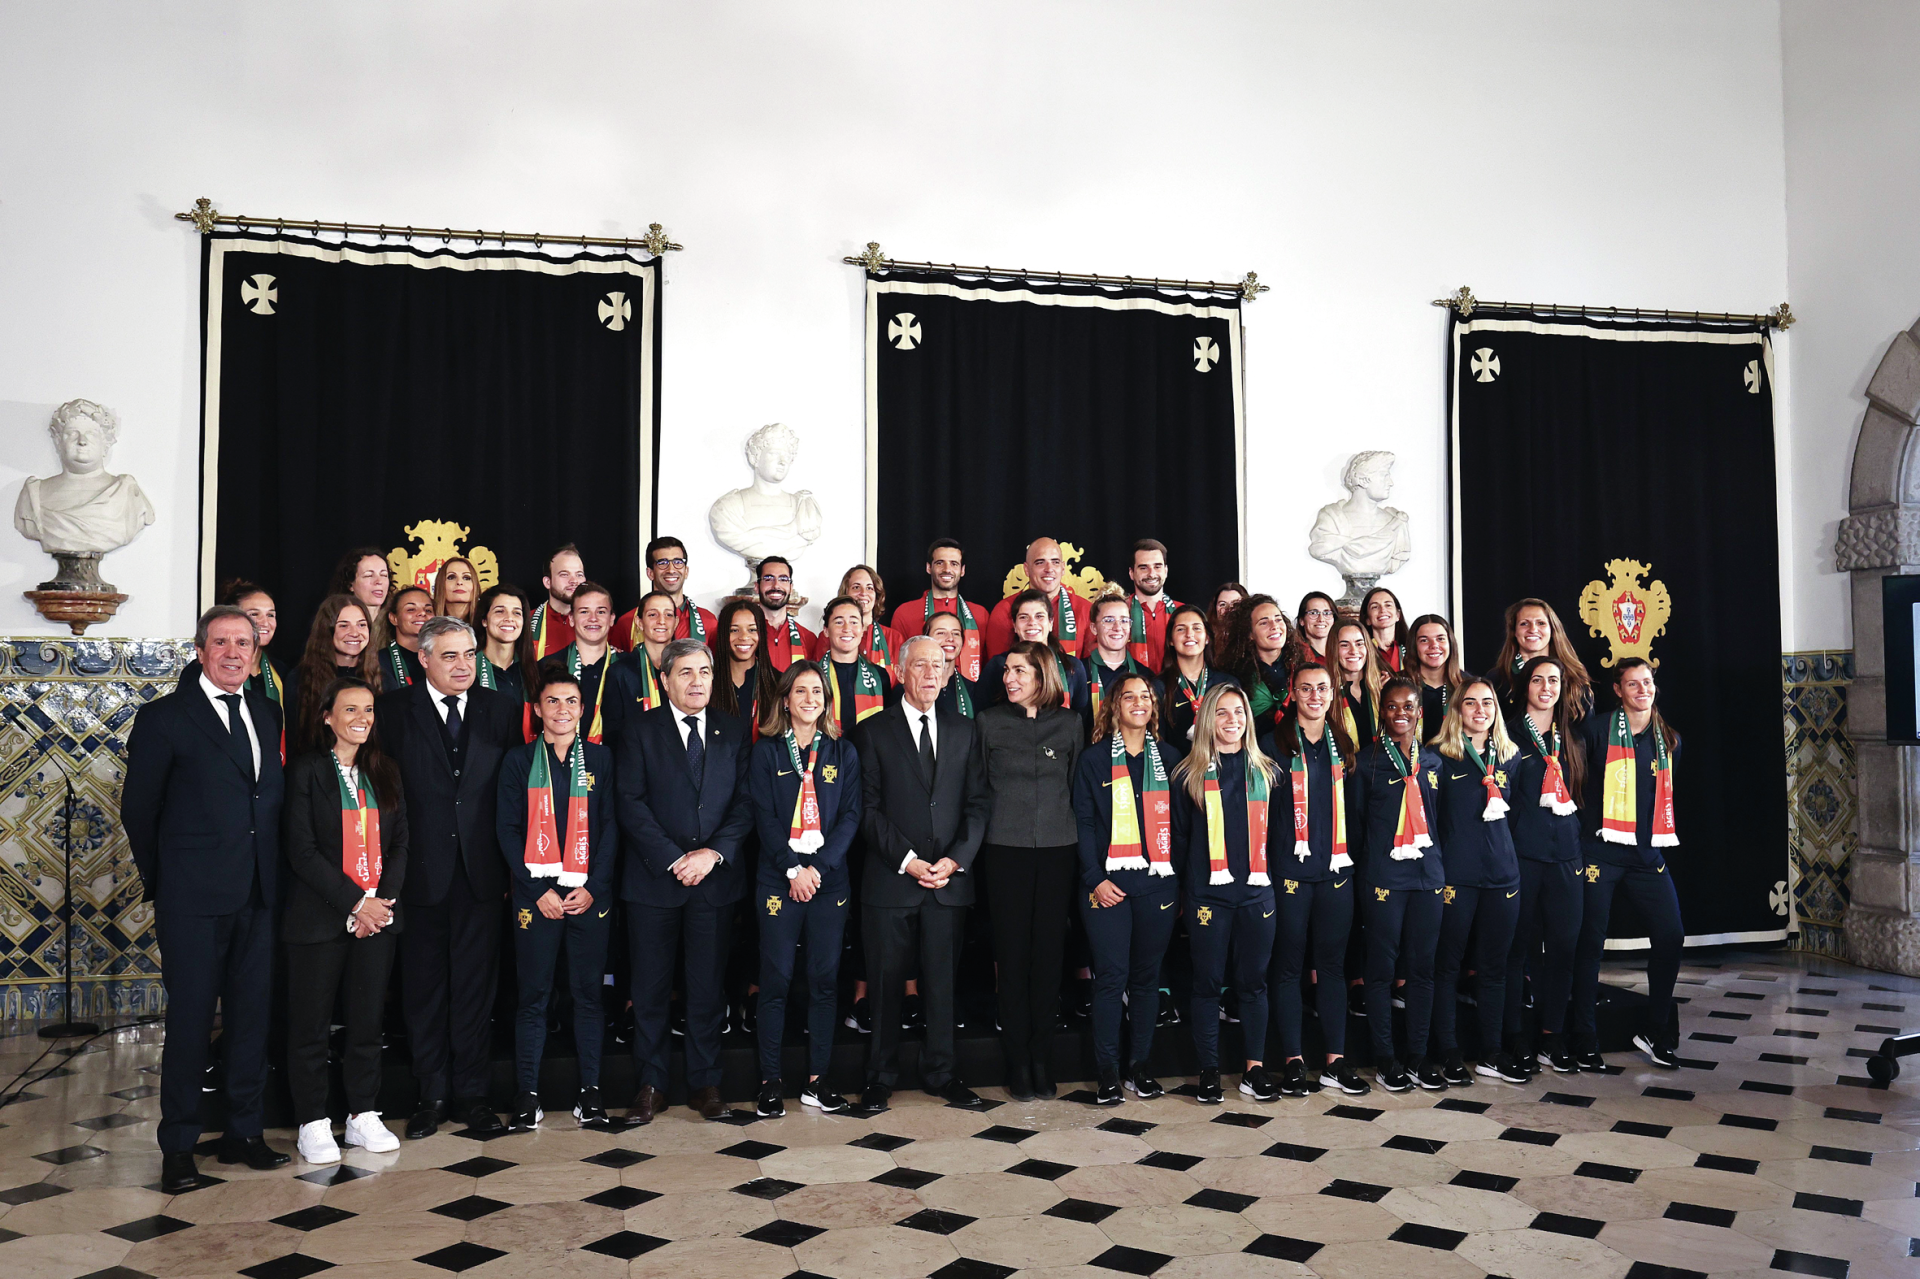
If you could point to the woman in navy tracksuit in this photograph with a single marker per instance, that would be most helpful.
(1482, 893)
(1546, 834)
(1403, 877)
(1236, 915)
(1128, 911)
(802, 886)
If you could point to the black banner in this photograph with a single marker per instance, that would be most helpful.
(999, 412)
(496, 403)
(1624, 472)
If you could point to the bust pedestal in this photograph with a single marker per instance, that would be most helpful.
(76, 595)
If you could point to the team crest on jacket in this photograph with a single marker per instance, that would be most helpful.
(1593, 873)
(526, 917)
(1433, 778)
(1446, 894)
(773, 905)
(436, 542)
(1380, 894)
(829, 772)
(1500, 777)
(1628, 615)
(1204, 915)
(1292, 886)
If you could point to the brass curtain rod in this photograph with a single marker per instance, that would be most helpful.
(205, 218)
(1465, 304)
(1247, 290)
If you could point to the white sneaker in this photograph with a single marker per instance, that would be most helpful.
(316, 1144)
(366, 1131)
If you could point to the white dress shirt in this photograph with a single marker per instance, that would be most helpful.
(214, 693)
(437, 697)
(913, 731)
(699, 726)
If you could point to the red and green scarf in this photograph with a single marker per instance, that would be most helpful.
(1217, 870)
(1193, 692)
(803, 832)
(969, 658)
(1619, 804)
(869, 691)
(1302, 846)
(1553, 786)
(1410, 833)
(1137, 638)
(1096, 691)
(1127, 849)
(1065, 625)
(541, 616)
(877, 651)
(359, 828)
(544, 856)
(600, 689)
(791, 647)
(1497, 806)
(690, 622)
(397, 663)
(276, 690)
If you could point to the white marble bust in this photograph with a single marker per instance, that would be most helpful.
(764, 519)
(85, 509)
(1359, 535)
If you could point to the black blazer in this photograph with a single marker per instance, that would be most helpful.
(319, 894)
(662, 816)
(450, 818)
(903, 815)
(201, 828)
(603, 828)
(774, 787)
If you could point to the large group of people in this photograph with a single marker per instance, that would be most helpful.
(1324, 809)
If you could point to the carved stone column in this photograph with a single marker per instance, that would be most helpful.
(1880, 536)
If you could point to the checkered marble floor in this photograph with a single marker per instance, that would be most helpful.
(1767, 1153)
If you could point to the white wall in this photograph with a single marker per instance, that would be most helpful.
(1853, 261)
(1363, 160)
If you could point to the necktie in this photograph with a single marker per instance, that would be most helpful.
(452, 701)
(696, 751)
(926, 749)
(237, 733)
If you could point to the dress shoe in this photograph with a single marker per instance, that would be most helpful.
(707, 1102)
(1043, 1085)
(647, 1103)
(254, 1152)
(958, 1095)
(480, 1118)
(1019, 1082)
(427, 1119)
(875, 1098)
(178, 1173)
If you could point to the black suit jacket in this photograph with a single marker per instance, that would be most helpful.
(449, 819)
(319, 894)
(202, 828)
(902, 814)
(663, 817)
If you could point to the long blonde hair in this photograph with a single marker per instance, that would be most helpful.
(1191, 772)
(1372, 676)
(1453, 729)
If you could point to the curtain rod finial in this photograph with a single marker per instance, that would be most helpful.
(1782, 316)
(1251, 288)
(1462, 301)
(202, 215)
(656, 240)
(873, 259)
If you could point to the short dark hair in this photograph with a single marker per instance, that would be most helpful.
(761, 567)
(592, 588)
(393, 600)
(838, 601)
(659, 544)
(565, 548)
(240, 588)
(1145, 544)
(553, 671)
(939, 542)
(641, 607)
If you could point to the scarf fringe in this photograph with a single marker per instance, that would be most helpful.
(1666, 841)
(1259, 879)
(1620, 836)
(1161, 868)
(1126, 863)
(809, 842)
(1302, 849)
(1340, 862)
(1406, 854)
(1222, 877)
(545, 870)
(1495, 810)
(1560, 807)
(572, 879)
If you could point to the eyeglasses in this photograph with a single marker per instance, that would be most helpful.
(680, 562)
(1317, 612)
(782, 580)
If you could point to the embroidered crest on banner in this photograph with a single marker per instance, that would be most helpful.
(258, 293)
(1625, 613)
(436, 542)
(903, 331)
(1087, 581)
(615, 311)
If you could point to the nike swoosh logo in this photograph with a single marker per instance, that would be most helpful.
(1268, 915)
(841, 902)
(603, 914)
(1340, 883)
(1166, 905)
(1456, 777)
(783, 772)
(1514, 893)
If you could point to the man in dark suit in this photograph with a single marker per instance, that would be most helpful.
(448, 737)
(684, 818)
(201, 805)
(925, 784)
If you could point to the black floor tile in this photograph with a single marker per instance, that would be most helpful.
(1044, 1169)
(1668, 1094)
(1697, 1063)
(139, 1093)
(149, 1228)
(1876, 1030)
(1129, 1261)
(1081, 1096)
(1223, 1201)
(1743, 994)
(1706, 1216)
(1607, 1172)
(1417, 1145)
(624, 1244)
(1566, 1099)
(1853, 1116)
(932, 1220)
(70, 1154)
(1810, 990)
(1287, 1150)
(117, 1272)
(621, 1198)
(1498, 1183)
(291, 1266)
(201, 1183)
(1081, 1210)
(1364, 1191)
(1749, 1121)
(30, 1192)
(1561, 1224)
(1761, 1085)
(471, 1208)
(881, 1141)
(1781, 1032)
(1283, 1248)
(1727, 1163)
(1708, 1037)
(337, 1175)
(1531, 1136)
(1807, 1263)
(313, 1218)
(1428, 1236)
(1127, 1127)
(618, 1157)
(101, 1123)
(1241, 1119)
(480, 1166)
(1634, 1128)
(1366, 1114)
(969, 1268)
(1463, 1105)
(1002, 1132)
(1803, 1011)
(1883, 1008)
(750, 1149)
(784, 1234)
(903, 1178)
(1828, 1203)
(1785, 1059)
(772, 1187)
(1835, 1154)
(1168, 1159)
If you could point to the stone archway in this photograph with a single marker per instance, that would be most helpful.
(1881, 536)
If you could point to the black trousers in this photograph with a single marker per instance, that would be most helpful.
(654, 936)
(1402, 924)
(450, 957)
(1244, 933)
(537, 943)
(207, 960)
(1653, 895)
(1029, 901)
(355, 969)
(1486, 917)
(1550, 910)
(1129, 944)
(783, 924)
(896, 936)
(1322, 910)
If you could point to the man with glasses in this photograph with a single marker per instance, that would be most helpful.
(666, 564)
(787, 641)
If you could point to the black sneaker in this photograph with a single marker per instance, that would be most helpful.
(822, 1098)
(1293, 1078)
(1230, 1009)
(526, 1113)
(1357, 1001)
(1206, 1090)
(910, 1015)
(770, 1106)
(1456, 1071)
(1429, 1075)
(1109, 1093)
(1258, 1084)
(1169, 1014)
(1394, 1077)
(1590, 1060)
(1079, 1000)
(861, 1018)
(1657, 1052)
(1339, 1074)
(1553, 1055)
(1143, 1085)
(1504, 1066)
(590, 1110)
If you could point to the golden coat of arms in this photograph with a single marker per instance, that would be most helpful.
(1086, 581)
(438, 541)
(1628, 615)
